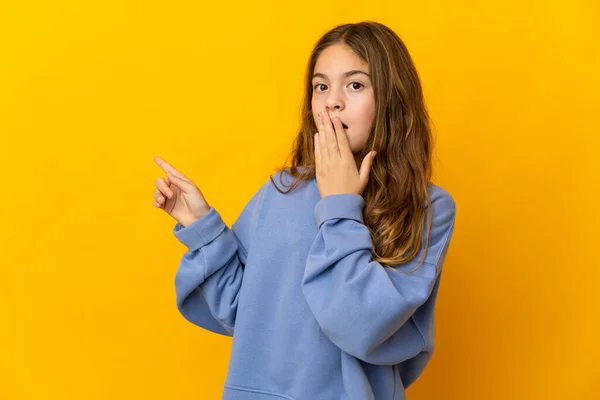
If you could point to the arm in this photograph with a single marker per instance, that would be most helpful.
(210, 273)
(363, 307)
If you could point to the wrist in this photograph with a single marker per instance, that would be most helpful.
(191, 219)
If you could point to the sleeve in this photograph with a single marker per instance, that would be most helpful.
(210, 273)
(362, 306)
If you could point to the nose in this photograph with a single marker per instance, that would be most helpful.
(333, 101)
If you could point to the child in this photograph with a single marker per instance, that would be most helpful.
(328, 288)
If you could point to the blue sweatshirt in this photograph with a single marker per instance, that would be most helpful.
(311, 315)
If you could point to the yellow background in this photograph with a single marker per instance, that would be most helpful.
(90, 92)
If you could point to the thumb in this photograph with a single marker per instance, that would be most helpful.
(365, 167)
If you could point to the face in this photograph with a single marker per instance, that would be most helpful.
(344, 92)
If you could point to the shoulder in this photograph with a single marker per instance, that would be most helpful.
(441, 199)
(283, 179)
(443, 209)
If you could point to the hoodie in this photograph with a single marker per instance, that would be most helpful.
(312, 316)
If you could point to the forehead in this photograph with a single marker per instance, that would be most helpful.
(337, 59)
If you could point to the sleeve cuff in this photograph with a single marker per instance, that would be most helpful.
(200, 232)
(346, 205)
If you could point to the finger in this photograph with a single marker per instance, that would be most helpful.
(169, 168)
(317, 152)
(184, 185)
(322, 136)
(322, 145)
(163, 186)
(158, 196)
(330, 135)
(342, 139)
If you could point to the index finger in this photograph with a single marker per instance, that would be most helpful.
(169, 168)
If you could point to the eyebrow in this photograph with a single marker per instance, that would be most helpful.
(345, 75)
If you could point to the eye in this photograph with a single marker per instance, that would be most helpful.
(351, 83)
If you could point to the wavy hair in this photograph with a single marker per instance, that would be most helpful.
(397, 194)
